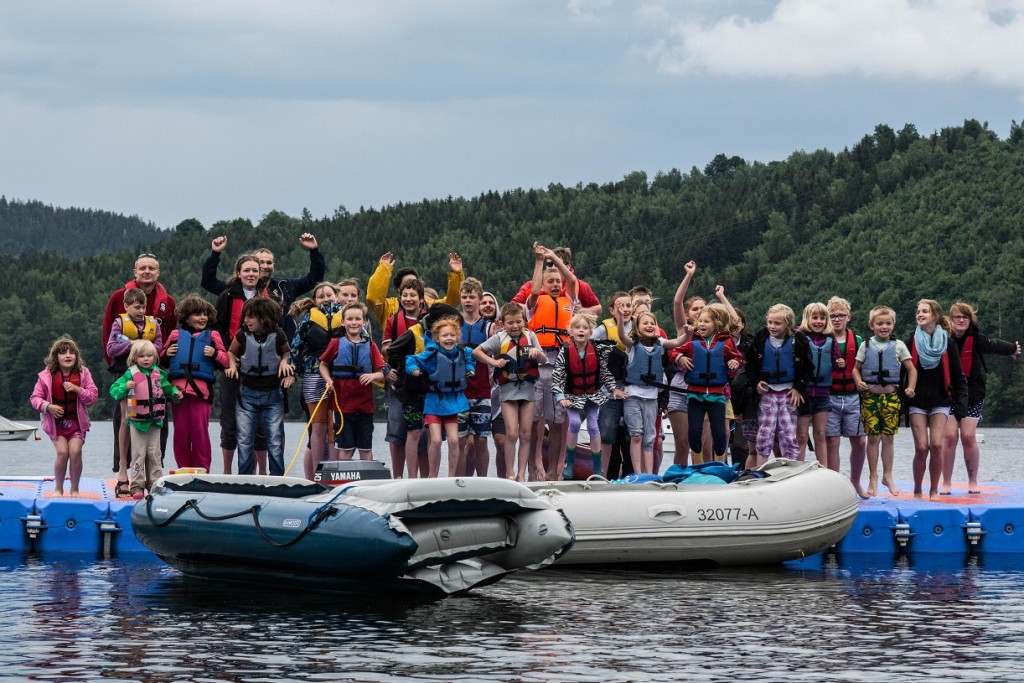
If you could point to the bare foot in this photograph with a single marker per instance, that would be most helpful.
(891, 485)
(58, 492)
(872, 485)
(972, 487)
(933, 496)
(946, 491)
(860, 491)
(74, 494)
(918, 495)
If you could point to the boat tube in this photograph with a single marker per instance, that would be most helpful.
(442, 535)
(786, 510)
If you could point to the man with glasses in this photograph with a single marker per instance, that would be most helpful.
(159, 304)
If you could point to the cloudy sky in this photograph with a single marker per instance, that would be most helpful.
(233, 108)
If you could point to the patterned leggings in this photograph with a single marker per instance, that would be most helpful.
(777, 418)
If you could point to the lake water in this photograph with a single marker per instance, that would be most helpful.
(133, 618)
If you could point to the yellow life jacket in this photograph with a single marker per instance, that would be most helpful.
(613, 332)
(334, 323)
(132, 331)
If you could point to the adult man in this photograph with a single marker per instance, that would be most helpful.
(159, 304)
(282, 290)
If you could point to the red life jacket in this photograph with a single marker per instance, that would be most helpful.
(397, 325)
(68, 400)
(842, 378)
(967, 353)
(582, 375)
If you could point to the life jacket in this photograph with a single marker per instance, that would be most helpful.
(150, 403)
(520, 367)
(946, 376)
(777, 366)
(235, 316)
(449, 374)
(645, 367)
(709, 368)
(260, 358)
(550, 320)
(353, 359)
(68, 400)
(842, 378)
(130, 328)
(821, 363)
(475, 334)
(330, 320)
(582, 375)
(966, 353)
(612, 328)
(881, 366)
(397, 325)
(190, 362)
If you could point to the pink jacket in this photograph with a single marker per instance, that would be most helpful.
(43, 394)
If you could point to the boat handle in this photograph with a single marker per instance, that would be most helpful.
(666, 513)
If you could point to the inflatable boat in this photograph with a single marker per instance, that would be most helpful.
(441, 535)
(785, 510)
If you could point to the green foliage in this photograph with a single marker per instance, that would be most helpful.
(897, 217)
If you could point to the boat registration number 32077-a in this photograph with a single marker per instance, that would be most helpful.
(726, 514)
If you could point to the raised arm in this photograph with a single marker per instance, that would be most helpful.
(456, 274)
(678, 310)
(377, 287)
(210, 282)
(538, 275)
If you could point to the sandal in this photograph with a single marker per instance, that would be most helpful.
(122, 490)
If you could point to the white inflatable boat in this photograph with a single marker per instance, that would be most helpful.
(797, 509)
(446, 535)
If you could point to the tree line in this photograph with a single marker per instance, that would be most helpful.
(895, 217)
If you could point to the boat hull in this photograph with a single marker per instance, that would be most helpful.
(799, 509)
(437, 535)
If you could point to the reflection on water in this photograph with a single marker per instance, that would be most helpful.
(873, 619)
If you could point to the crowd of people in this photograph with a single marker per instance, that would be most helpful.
(528, 375)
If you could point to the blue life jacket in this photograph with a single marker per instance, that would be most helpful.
(777, 365)
(880, 364)
(353, 359)
(260, 358)
(709, 369)
(449, 374)
(190, 362)
(645, 366)
(475, 334)
(821, 364)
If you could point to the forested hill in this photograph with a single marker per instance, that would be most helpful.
(895, 217)
(34, 226)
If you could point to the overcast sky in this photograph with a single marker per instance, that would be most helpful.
(218, 109)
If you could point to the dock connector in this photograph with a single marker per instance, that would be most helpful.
(974, 532)
(108, 528)
(34, 525)
(901, 531)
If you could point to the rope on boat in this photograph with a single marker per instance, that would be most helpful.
(313, 521)
(302, 437)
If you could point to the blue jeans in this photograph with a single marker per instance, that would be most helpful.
(255, 408)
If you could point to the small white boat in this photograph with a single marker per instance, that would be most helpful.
(14, 431)
(439, 535)
(796, 510)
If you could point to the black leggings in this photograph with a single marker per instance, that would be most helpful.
(715, 411)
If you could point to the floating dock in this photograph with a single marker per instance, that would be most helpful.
(34, 520)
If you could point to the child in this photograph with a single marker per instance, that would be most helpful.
(963, 320)
(149, 385)
(549, 313)
(644, 376)
(349, 366)
(581, 369)
(844, 398)
(410, 302)
(259, 359)
(707, 359)
(778, 366)
(477, 427)
(941, 392)
(609, 416)
(877, 375)
(514, 353)
(194, 352)
(321, 321)
(824, 355)
(447, 365)
(128, 327)
(63, 391)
